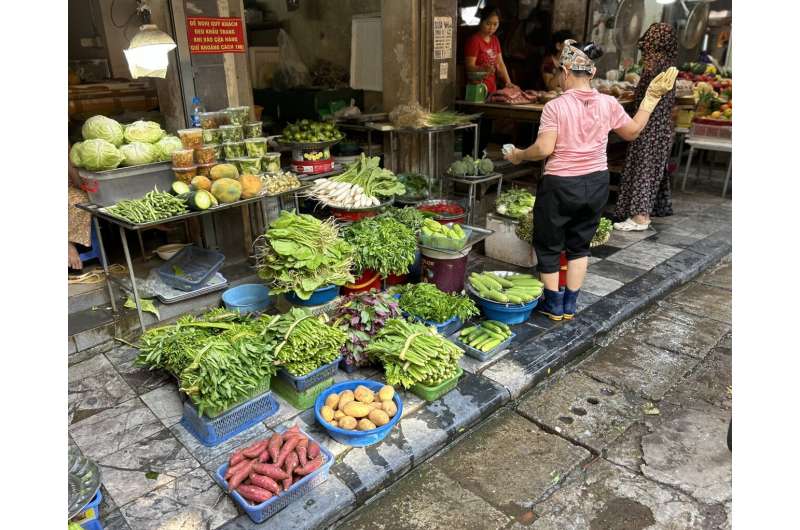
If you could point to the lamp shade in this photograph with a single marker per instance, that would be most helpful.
(148, 52)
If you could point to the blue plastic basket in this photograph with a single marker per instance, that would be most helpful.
(304, 382)
(196, 266)
(481, 355)
(357, 438)
(247, 298)
(323, 295)
(261, 512)
(446, 328)
(507, 313)
(214, 431)
(89, 518)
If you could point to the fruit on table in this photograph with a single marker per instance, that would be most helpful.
(251, 185)
(220, 171)
(431, 228)
(362, 409)
(226, 190)
(511, 289)
(311, 131)
(485, 336)
(202, 183)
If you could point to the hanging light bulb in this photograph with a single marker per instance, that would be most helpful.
(665, 1)
(148, 52)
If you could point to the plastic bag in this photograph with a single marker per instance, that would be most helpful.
(292, 72)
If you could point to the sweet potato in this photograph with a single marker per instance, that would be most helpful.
(270, 470)
(301, 449)
(238, 477)
(286, 484)
(263, 456)
(254, 450)
(293, 428)
(236, 458)
(313, 450)
(274, 446)
(286, 449)
(238, 467)
(311, 466)
(254, 494)
(263, 481)
(292, 462)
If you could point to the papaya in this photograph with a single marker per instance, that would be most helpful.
(251, 186)
(201, 182)
(226, 190)
(224, 171)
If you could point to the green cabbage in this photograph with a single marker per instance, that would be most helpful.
(104, 129)
(143, 131)
(138, 153)
(97, 154)
(75, 154)
(167, 145)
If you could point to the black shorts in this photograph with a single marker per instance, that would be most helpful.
(566, 215)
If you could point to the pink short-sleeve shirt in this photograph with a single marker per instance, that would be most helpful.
(582, 119)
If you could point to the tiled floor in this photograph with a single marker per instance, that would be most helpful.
(157, 475)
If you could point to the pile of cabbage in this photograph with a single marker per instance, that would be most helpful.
(108, 144)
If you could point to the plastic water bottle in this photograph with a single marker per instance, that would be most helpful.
(197, 108)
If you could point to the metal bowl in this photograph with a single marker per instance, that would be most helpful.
(445, 216)
(84, 481)
(307, 145)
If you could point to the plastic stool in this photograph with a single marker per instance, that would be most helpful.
(94, 251)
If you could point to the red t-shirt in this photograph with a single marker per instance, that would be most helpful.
(485, 53)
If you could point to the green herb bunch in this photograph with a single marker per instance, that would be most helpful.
(374, 180)
(300, 254)
(604, 230)
(426, 301)
(414, 353)
(409, 216)
(304, 342)
(382, 244)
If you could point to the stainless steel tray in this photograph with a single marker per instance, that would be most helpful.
(84, 481)
(478, 234)
(173, 296)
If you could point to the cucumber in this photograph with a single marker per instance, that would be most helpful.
(502, 281)
(497, 296)
(525, 282)
(490, 345)
(520, 275)
(490, 282)
(179, 188)
(514, 299)
(500, 324)
(478, 284)
(466, 331)
(478, 339)
(199, 200)
(491, 325)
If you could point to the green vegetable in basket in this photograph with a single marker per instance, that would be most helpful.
(414, 353)
(416, 185)
(374, 180)
(516, 203)
(166, 146)
(409, 216)
(426, 301)
(99, 155)
(143, 131)
(485, 336)
(305, 341)
(138, 153)
(382, 244)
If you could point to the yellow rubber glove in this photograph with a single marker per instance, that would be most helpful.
(663, 83)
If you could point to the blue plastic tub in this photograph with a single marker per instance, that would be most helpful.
(89, 518)
(247, 298)
(261, 512)
(191, 268)
(357, 438)
(214, 431)
(446, 328)
(304, 382)
(323, 295)
(507, 313)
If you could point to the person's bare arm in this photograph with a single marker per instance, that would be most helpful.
(469, 64)
(660, 85)
(544, 146)
(631, 130)
(501, 67)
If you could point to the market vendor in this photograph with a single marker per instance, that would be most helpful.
(549, 68)
(482, 51)
(573, 135)
(79, 222)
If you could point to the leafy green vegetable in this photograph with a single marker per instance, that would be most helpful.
(306, 342)
(416, 185)
(524, 229)
(75, 154)
(469, 166)
(374, 180)
(103, 128)
(414, 353)
(409, 216)
(138, 153)
(604, 230)
(143, 131)
(167, 145)
(382, 244)
(516, 203)
(361, 316)
(300, 254)
(99, 155)
(426, 301)
(147, 306)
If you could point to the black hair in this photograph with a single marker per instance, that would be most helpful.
(557, 38)
(593, 51)
(488, 11)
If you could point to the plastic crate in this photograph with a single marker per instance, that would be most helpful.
(304, 382)
(482, 355)
(89, 518)
(105, 188)
(446, 328)
(300, 400)
(445, 243)
(261, 512)
(357, 438)
(432, 393)
(705, 129)
(214, 431)
(196, 265)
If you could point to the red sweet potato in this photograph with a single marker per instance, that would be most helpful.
(274, 446)
(254, 450)
(286, 449)
(271, 470)
(286, 484)
(301, 449)
(312, 465)
(263, 481)
(263, 456)
(254, 494)
(238, 467)
(293, 428)
(238, 477)
(236, 458)
(313, 450)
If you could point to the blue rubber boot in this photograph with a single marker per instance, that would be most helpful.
(570, 303)
(552, 305)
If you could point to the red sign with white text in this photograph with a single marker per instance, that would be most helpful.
(215, 35)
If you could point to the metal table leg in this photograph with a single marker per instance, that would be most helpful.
(727, 177)
(688, 165)
(104, 263)
(682, 137)
(136, 298)
(475, 142)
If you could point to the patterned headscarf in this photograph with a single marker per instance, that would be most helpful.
(573, 58)
(659, 47)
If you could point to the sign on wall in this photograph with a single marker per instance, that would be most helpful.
(208, 35)
(442, 38)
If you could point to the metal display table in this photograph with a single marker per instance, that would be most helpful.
(472, 183)
(708, 144)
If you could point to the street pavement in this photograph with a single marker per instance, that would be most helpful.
(632, 436)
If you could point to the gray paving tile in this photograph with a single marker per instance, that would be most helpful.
(114, 429)
(166, 403)
(644, 255)
(599, 285)
(141, 379)
(616, 271)
(205, 454)
(621, 239)
(94, 386)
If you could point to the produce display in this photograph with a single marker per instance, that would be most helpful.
(307, 131)
(361, 185)
(256, 146)
(220, 358)
(191, 138)
(212, 136)
(413, 353)
(138, 153)
(360, 409)
(341, 194)
(409, 216)
(231, 133)
(416, 186)
(426, 301)
(362, 315)
(270, 467)
(516, 203)
(300, 254)
(381, 244)
(415, 117)
(306, 341)
(233, 149)
(511, 289)
(437, 235)
(254, 129)
(471, 167)
(148, 132)
(604, 230)
(154, 206)
(271, 162)
(237, 115)
(486, 335)
(442, 207)
(279, 182)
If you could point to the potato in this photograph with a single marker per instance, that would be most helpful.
(332, 401)
(348, 423)
(379, 417)
(345, 398)
(375, 405)
(364, 394)
(338, 415)
(327, 413)
(334, 423)
(390, 408)
(365, 425)
(356, 409)
(386, 393)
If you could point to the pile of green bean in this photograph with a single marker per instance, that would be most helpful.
(413, 353)
(154, 206)
(306, 342)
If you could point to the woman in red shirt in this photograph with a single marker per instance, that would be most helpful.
(482, 51)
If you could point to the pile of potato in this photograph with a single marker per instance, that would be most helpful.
(361, 409)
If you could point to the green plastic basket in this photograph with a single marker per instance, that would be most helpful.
(299, 400)
(432, 393)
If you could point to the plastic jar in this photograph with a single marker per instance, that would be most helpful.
(254, 129)
(183, 158)
(209, 120)
(212, 136)
(205, 169)
(218, 154)
(256, 146)
(238, 115)
(271, 162)
(233, 149)
(205, 155)
(185, 174)
(231, 133)
(191, 138)
(249, 165)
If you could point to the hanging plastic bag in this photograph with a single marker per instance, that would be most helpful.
(292, 72)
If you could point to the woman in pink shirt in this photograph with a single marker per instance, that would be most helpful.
(573, 134)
